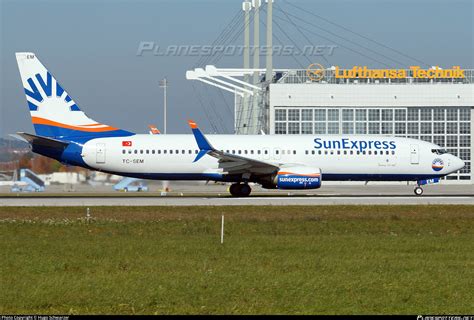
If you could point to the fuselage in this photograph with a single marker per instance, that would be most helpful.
(171, 157)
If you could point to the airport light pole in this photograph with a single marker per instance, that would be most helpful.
(164, 85)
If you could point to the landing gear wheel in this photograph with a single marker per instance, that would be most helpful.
(418, 191)
(240, 190)
(245, 190)
(234, 189)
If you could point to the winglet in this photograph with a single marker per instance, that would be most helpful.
(153, 129)
(203, 144)
(192, 124)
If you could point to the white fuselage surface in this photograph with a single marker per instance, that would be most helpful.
(339, 157)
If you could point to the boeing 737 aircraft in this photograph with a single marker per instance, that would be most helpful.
(65, 133)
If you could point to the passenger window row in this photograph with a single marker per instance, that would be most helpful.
(165, 151)
(350, 152)
(259, 152)
(177, 151)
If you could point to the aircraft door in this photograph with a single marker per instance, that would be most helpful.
(100, 152)
(414, 154)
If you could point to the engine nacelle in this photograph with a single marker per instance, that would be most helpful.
(298, 177)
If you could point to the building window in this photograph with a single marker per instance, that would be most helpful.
(438, 114)
(465, 154)
(387, 128)
(451, 141)
(347, 115)
(425, 128)
(280, 115)
(374, 128)
(426, 114)
(400, 115)
(374, 115)
(280, 128)
(439, 140)
(413, 128)
(413, 114)
(452, 127)
(387, 114)
(333, 128)
(361, 115)
(294, 115)
(438, 127)
(320, 115)
(400, 128)
(307, 128)
(347, 128)
(361, 128)
(333, 115)
(320, 128)
(426, 138)
(464, 141)
(307, 114)
(464, 114)
(464, 128)
(294, 128)
(452, 114)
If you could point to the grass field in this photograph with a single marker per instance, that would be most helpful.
(304, 260)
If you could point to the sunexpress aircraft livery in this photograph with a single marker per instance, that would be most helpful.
(63, 132)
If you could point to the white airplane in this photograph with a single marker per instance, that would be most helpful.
(65, 133)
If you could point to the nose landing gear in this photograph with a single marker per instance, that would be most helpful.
(418, 191)
(240, 190)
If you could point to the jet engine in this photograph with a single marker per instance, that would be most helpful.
(298, 177)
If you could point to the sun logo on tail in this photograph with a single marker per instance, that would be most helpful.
(35, 97)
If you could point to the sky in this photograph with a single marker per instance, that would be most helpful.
(91, 48)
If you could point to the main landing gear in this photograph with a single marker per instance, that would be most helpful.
(418, 190)
(240, 190)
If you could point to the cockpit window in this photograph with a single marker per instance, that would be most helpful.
(438, 151)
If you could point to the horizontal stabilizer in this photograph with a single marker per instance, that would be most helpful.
(41, 141)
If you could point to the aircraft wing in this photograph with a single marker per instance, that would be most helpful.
(230, 163)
